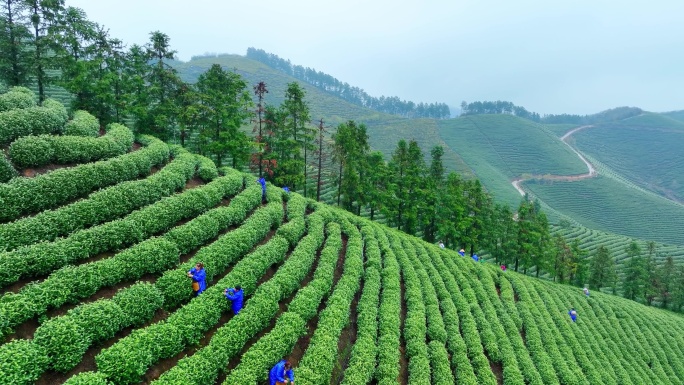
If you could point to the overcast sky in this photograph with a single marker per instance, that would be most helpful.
(580, 56)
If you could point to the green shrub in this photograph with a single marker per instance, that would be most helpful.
(100, 320)
(139, 303)
(7, 171)
(37, 151)
(207, 170)
(88, 378)
(82, 124)
(32, 151)
(64, 341)
(21, 362)
(30, 195)
(99, 207)
(17, 97)
(46, 119)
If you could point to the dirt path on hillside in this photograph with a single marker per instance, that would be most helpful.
(591, 170)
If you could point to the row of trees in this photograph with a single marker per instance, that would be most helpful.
(497, 107)
(642, 278)
(503, 107)
(391, 105)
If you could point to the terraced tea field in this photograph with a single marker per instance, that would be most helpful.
(94, 287)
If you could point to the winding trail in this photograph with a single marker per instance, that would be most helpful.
(566, 178)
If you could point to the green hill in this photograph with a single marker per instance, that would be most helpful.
(646, 150)
(500, 148)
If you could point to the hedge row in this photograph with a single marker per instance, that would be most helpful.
(21, 362)
(42, 258)
(37, 151)
(46, 119)
(389, 311)
(66, 338)
(321, 356)
(567, 342)
(533, 337)
(487, 316)
(17, 97)
(415, 323)
(623, 354)
(207, 169)
(101, 206)
(254, 363)
(29, 195)
(71, 284)
(436, 328)
(138, 302)
(7, 171)
(82, 124)
(447, 292)
(365, 350)
(225, 251)
(204, 366)
(512, 345)
(126, 361)
(455, 344)
(439, 362)
(435, 323)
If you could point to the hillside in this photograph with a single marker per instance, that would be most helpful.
(384, 130)
(645, 149)
(333, 292)
(94, 288)
(499, 148)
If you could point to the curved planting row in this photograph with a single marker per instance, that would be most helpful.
(204, 366)
(127, 361)
(389, 311)
(475, 343)
(29, 195)
(365, 350)
(415, 324)
(37, 151)
(49, 118)
(289, 325)
(82, 124)
(321, 356)
(254, 363)
(154, 255)
(63, 347)
(42, 258)
(101, 206)
(436, 328)
(456, 346)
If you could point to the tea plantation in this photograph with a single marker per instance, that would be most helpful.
(95, 246)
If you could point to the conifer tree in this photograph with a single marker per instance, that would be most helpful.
(602, 269)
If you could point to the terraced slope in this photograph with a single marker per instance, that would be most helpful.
(500, 148)
(646, 150)
(348, 301)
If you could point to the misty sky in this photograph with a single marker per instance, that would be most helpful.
(549, 56)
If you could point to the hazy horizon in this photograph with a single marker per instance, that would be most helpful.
(578, 58)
